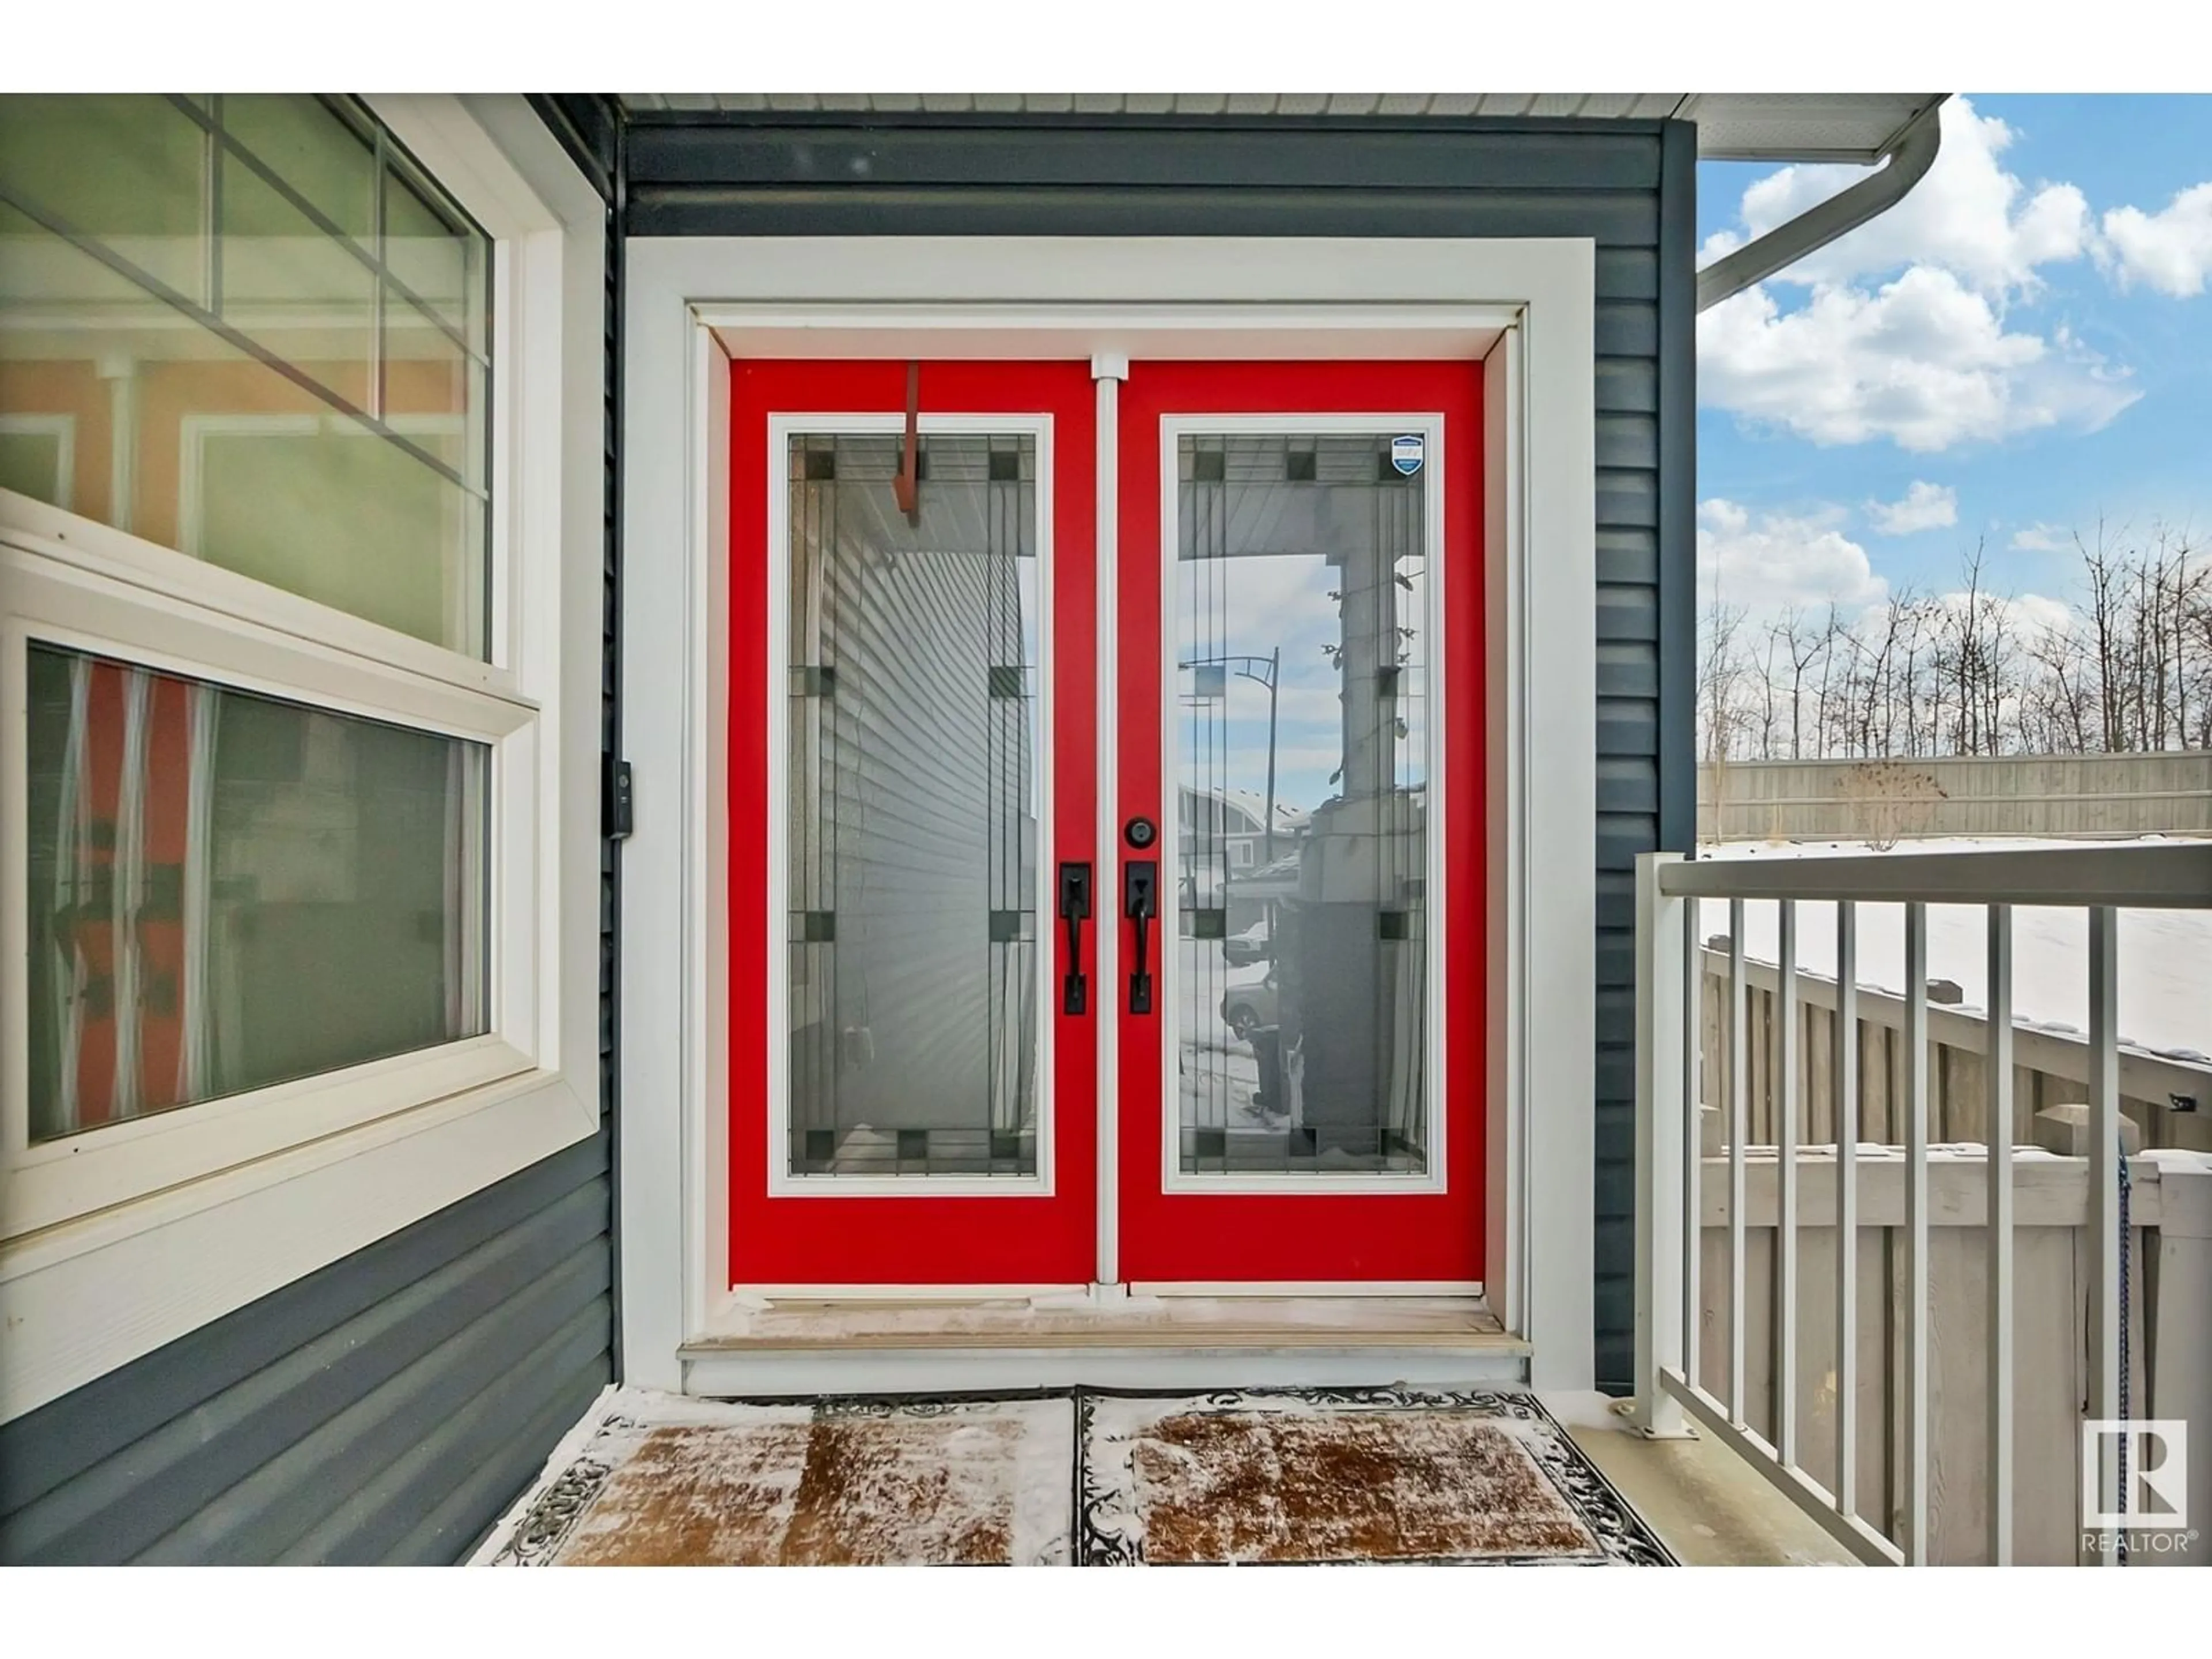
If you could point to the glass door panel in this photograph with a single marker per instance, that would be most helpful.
(1302, 767)
(916, 794)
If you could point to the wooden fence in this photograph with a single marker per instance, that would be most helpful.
(2170, 1100)
(2168, 1340)
(1884, 801)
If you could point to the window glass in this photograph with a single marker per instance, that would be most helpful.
(302, 396)
(323, 157)
(433, 256)
(1300, 746)
(35, 458)
(290, 286)
(228, 891)
(914, 726)
(127, 172)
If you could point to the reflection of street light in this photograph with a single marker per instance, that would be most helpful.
(1250, 668)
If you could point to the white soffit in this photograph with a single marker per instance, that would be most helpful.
(1857, 126)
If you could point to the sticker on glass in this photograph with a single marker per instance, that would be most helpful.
(1406, 453)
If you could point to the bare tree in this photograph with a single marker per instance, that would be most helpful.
(2126, 668)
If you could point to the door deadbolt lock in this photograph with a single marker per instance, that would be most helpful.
(1140, 832)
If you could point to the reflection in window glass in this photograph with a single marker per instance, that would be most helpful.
(1301, 756)
(223, 394)
(226, 892)
(915, 806)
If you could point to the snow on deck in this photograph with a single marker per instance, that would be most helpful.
(2165, 956)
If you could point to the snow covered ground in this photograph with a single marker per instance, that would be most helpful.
(2165, 956)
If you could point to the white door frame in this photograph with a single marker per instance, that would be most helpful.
(1525, 307)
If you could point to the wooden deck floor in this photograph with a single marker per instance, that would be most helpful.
(1430, 1322)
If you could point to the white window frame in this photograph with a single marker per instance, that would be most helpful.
(118, 1240)
(1526, 308)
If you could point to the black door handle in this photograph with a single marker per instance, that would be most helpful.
(1074, 910)
(1140, 902)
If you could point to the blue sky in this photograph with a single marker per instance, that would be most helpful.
(2026, 339)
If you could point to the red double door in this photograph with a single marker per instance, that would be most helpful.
(1106, 888)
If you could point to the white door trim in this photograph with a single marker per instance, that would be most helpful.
(1080, 297)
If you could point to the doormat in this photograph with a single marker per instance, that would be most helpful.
(1330, 1476)
(1084, 1477)
(653, 1480)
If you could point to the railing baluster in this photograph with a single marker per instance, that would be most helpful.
(1898, 1526)
(1846, 1062)
(1694, 1134)
(1739, 1122)
(1915, 1234)
(2107, 1348)
(1662, 1238)
(1997, 1131)
(1784, 1046)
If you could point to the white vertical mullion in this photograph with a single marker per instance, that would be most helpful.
(1845, 1059)
(1108, 373)
(1739, 1122)
(1785, 1047)
(1915, 1234)
(2107, 1340)
(1997, 1131)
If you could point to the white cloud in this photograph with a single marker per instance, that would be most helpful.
(2170, 251)
(1763, 563)
(2041, 538)
(1913, 330)
(1925, 507)
(2029, 616)
(2035, 614)
(1968, 216)
(1925, 362)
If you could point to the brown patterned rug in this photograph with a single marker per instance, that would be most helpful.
(663, 1482)
(1091, 1477)
(1323, 1476)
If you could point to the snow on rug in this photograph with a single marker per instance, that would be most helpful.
(649, 1479)
(1091, 1477)
(1342, 1475)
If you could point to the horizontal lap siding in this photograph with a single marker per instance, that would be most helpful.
(977, 176)
(388, 1408)
(285, 1422)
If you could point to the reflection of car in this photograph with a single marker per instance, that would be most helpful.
(1200, 889)
(1250, 1004)
(1248, 946)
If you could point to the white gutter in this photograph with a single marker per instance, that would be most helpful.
(1909, 155)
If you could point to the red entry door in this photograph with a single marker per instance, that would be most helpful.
(1300, 643)
(918, 872)
(913, 769)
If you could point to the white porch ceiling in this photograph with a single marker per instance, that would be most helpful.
(1731, 125)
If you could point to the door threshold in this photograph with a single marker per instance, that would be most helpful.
(1415, 1323)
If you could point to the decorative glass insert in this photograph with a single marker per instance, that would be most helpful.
(265, 332)
(916, 790)
(226, 891)
(1301, 760)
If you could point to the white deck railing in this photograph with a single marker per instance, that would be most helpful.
(1687, 1378)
